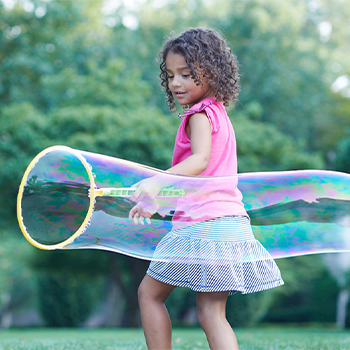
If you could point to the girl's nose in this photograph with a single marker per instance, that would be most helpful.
(176, 82)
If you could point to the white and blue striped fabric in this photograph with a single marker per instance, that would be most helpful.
(215, 255)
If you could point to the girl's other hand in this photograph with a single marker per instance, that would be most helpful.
(143, 211)
(146, 189)
(147, 204)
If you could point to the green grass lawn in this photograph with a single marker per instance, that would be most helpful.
(277, 338)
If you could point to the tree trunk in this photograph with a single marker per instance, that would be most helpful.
(342, 305)
(127, 273)
(339, 267)
(109, 313)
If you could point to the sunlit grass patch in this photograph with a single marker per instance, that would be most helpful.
(269, 338)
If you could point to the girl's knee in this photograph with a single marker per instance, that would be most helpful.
(152, 290)
(201, 315)
(206, 315)
(210, 309)
(143, 292)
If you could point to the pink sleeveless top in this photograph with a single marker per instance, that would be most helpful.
(211, 197)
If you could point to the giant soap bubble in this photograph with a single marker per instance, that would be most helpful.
(71, 199)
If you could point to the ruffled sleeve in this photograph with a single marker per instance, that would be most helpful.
(207, 106)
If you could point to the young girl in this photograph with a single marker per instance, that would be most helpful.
(200, 72)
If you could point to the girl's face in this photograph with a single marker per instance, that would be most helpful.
(180, 83)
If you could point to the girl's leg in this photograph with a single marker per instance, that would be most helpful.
(154, 314)
(211, 312)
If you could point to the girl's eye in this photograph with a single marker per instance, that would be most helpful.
(170, 76)
(186, 75)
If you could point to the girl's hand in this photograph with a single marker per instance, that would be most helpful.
(145, 195)
(143, 211)
(146, 189)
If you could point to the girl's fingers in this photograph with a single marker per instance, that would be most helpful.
(139, 216)
(135, 218)
(141, 220)
(132, 212)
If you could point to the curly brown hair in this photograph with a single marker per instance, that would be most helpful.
(208, 56)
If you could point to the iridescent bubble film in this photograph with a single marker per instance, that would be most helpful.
(292, 213)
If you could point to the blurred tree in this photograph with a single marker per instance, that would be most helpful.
(340, 156)
(113, 84)
(64, 301)
(69, 285)
(112, 124)
(21, 137)
(283, 65)
(17, 280)
(106, 111)
(308, 285)
(261, 146)
(343, 153)
(37, 38)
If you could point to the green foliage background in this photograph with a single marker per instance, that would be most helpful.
(76, 73)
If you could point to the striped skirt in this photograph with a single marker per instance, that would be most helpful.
(215, 255)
